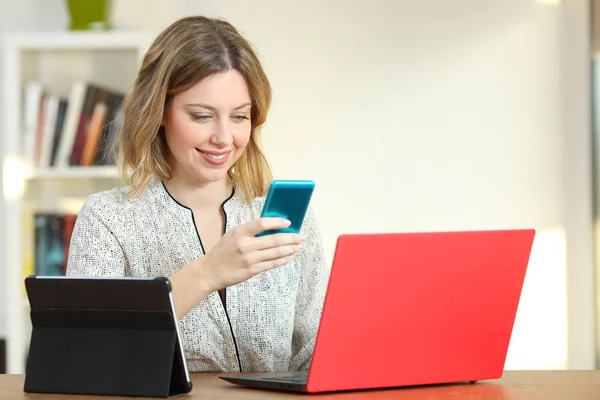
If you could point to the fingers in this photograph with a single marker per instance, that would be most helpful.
(247, 245)
(259, 225)
(271, 264)
(275, 240)
(272, 253)
(263, 253)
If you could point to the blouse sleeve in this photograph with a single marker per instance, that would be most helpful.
(94, 249)
(311, 294)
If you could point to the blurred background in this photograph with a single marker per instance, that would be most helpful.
(409, 115)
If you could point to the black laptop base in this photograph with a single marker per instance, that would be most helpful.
(286, 381)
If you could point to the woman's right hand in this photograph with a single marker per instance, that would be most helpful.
(239, 255)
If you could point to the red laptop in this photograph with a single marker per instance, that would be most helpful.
(411, 309)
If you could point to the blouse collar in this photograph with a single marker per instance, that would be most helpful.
(162, 195)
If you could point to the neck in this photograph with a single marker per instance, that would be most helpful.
(195, 195)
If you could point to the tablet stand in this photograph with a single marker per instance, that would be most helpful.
(104, 352)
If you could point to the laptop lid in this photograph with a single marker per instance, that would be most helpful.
(419, 308)
(104, 336)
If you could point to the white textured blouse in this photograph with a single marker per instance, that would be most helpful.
(270, 321)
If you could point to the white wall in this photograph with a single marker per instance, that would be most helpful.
(435, 115)
(576, 88)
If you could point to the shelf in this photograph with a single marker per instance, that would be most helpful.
(57, 61)
(74, 173)
(85, 40)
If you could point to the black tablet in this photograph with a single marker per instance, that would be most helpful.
(104, 336)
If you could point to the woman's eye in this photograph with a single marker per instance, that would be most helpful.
(240, 118)
(200, 118)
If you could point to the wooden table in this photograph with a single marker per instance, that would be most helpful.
(514, 385)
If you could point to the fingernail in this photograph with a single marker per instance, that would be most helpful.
(288, 222)
(301, 245)
(302, 237)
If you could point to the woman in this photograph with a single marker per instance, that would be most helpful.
(189, 149)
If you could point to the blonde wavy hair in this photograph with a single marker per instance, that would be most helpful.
(186, 52)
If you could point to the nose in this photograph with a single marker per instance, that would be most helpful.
(222, 135)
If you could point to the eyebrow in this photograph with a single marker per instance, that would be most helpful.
(203, 105)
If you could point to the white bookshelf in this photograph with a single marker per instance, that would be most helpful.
(56, 60)
(93, 172)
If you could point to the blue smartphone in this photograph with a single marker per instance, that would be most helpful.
(288, 199)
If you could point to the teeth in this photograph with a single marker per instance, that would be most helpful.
(222, 156)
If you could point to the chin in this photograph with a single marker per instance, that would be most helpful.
(211, 176)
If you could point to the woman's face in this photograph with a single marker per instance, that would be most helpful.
(207, 127)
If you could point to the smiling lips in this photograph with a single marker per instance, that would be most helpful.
(214, 157)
